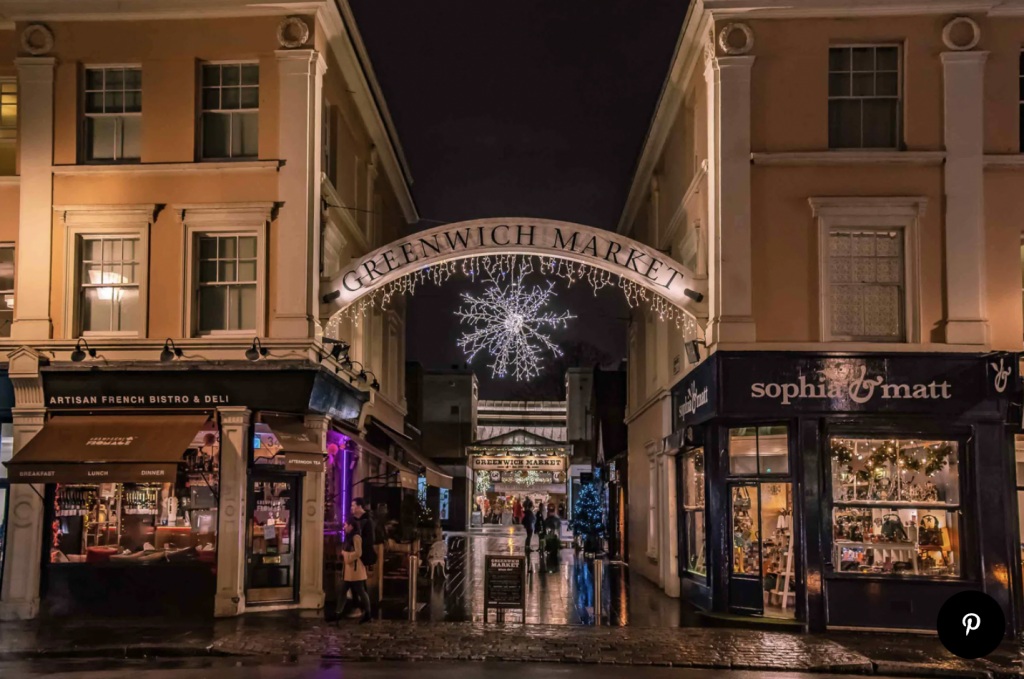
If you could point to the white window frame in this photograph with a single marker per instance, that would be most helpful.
(13, 137)
(899, 96)
(124, 221)
(652, 500)
(222, 219)
(866, 214)
(199, 122)
(9, 245)
(83, 126)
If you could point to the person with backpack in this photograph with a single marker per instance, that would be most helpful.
(354, 578)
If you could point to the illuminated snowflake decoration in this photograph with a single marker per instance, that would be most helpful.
(507, 322)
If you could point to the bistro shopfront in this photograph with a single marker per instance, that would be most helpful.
(844, 491)
(152, 480)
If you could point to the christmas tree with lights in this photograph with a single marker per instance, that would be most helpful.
(587, 516)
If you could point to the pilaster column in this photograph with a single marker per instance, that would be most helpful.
(311, 557)
(20, 599)
(235, 434)
(729, 266)
(668, 562)
(35, 118)
(964, 108)
(298, 224)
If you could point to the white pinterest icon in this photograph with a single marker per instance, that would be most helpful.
(971, 621)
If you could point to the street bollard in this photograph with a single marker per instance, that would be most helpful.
(598, 577)
(414, 570)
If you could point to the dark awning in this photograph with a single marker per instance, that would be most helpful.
(105, 449)
(292, 434)
(406, 477)
(435, 475)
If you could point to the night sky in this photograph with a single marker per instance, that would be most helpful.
(532, 108)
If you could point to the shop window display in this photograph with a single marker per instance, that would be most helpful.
(693, 511)
(137, 523)
(896, 507)
(759, 450)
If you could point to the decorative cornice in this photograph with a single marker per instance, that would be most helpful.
(73, 215)
(168, 168)
(848, 158)
(802, 9)
(234, 415)
(1004, 161)
(871, 206)
(230, 214)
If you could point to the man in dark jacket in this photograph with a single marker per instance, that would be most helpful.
(367, 531)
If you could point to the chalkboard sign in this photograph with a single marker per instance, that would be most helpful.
(505, 581)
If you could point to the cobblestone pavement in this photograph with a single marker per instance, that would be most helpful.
(270, 636)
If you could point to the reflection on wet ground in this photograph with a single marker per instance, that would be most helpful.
(559, 593)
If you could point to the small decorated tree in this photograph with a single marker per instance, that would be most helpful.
(587, 517)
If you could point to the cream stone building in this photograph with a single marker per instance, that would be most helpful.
(179, 177)
(847, 175)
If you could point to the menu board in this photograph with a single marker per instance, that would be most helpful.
(505, 581)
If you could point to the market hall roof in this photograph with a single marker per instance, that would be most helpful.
(519, 441)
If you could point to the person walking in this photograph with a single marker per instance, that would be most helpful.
(354, 578)
(527, 521)
(517, 511)
(538, 524)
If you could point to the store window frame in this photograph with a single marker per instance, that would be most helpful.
(201, 150)
(119, 117)
(9, 133)
(871, 214)
(243, 219)
(835, 96)
(685, 568)
(117, 221)
(963, 509)
(7, 325)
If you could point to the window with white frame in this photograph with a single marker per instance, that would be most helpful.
(6, 288)
(8, 109)
(866, 284)
(869, 278)
(112, 126)
(108, 284)
(227, 282)
(864, 89)
(230, 111)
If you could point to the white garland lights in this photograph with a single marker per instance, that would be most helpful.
(497, 265)
(508, 320)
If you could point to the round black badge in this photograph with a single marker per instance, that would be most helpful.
(971, 624)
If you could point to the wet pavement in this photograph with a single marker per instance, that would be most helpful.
(558, 593)
(319, 669)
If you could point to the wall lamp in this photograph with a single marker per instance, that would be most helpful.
(170, 352)
(78, 355)
(694, 295)
(256, 351)
(362, 376)
(338, 347)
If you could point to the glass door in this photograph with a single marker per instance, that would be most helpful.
(271, 544)
(763, 558)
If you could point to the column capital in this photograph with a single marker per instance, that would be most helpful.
(35, 62)
(235, 415)
(954, 58)
(318, 422)
(302, 58)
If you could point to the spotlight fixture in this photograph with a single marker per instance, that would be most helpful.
(170, 351)
(347, 363)
(375, 384)
(338, 347)
(256, 351)
(693, 352)
(331, 296)
(694, 295)
(78, 355)
(362, 376)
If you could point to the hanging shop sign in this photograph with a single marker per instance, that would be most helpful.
(304, 462)
(279, 390)
(504, 581)
(516, 488)
(484, 463)
(696, 396)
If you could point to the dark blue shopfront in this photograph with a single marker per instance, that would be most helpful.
(6, 448)
(847, 490)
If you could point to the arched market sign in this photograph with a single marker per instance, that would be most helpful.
(605, 250)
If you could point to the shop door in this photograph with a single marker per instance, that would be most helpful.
(745, 585)
(272, 544)
(763, 578)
